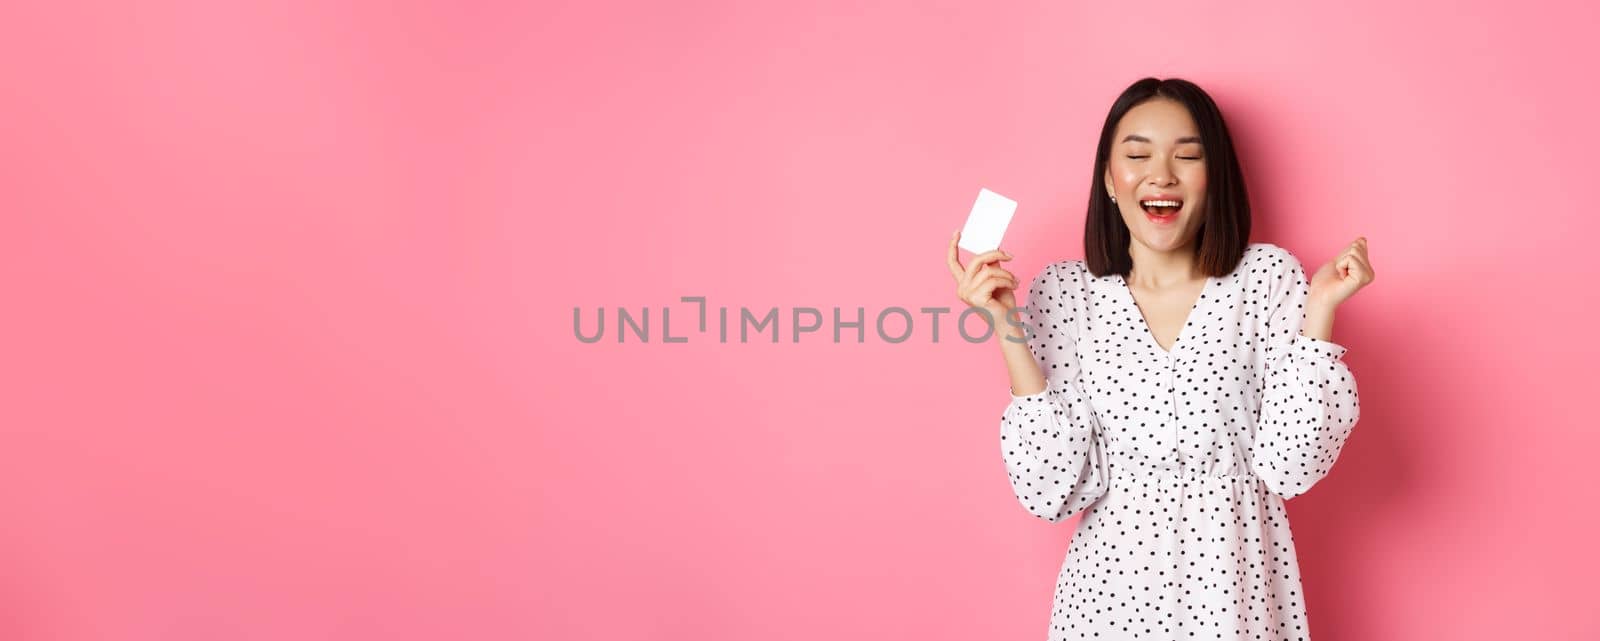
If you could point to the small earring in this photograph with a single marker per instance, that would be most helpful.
(1113, 199)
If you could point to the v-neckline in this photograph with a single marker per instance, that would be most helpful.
(1183, 331)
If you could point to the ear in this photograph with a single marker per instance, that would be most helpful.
(1111, 190)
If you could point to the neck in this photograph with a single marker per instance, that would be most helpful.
(1154, 269)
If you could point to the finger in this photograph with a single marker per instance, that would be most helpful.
(1365, 265)
(1008, 281)
(956, 269)
(1361, 271)
(983, 290)
(1356, 251)
(1358, 273)
(974, 274)
(1354, 268)
(986, 289)
(984, 274)
(983, 259)
(990, 270)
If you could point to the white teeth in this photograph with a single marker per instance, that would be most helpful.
(1161, 203)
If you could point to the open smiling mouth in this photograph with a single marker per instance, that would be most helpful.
(1161, 210)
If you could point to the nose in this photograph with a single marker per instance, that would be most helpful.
(1161, 175)
(1162, 178)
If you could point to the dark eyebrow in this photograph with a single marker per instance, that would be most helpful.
(1139, 138)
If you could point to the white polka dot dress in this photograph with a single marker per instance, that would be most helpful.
(1179, 460)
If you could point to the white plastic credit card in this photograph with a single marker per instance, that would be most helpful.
(986, 225)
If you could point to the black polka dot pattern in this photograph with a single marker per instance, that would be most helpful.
(1180, 460)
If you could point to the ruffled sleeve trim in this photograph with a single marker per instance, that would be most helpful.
(1037, 398)
(1308, 348)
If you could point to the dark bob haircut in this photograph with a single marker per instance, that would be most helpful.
(1224, 231)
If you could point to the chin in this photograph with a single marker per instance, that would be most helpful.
(1168, 242)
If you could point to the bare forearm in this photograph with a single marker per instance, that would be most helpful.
(1023, 369)
(1319, 321)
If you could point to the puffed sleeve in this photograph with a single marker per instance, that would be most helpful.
(1050, 440)
(1309, 403)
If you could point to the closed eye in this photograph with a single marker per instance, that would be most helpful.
(1180, 157)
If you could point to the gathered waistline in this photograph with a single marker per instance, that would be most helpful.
(1180, 474)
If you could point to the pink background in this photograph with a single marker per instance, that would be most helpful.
(289, 289)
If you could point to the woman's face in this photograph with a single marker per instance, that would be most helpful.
(1156, 154)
